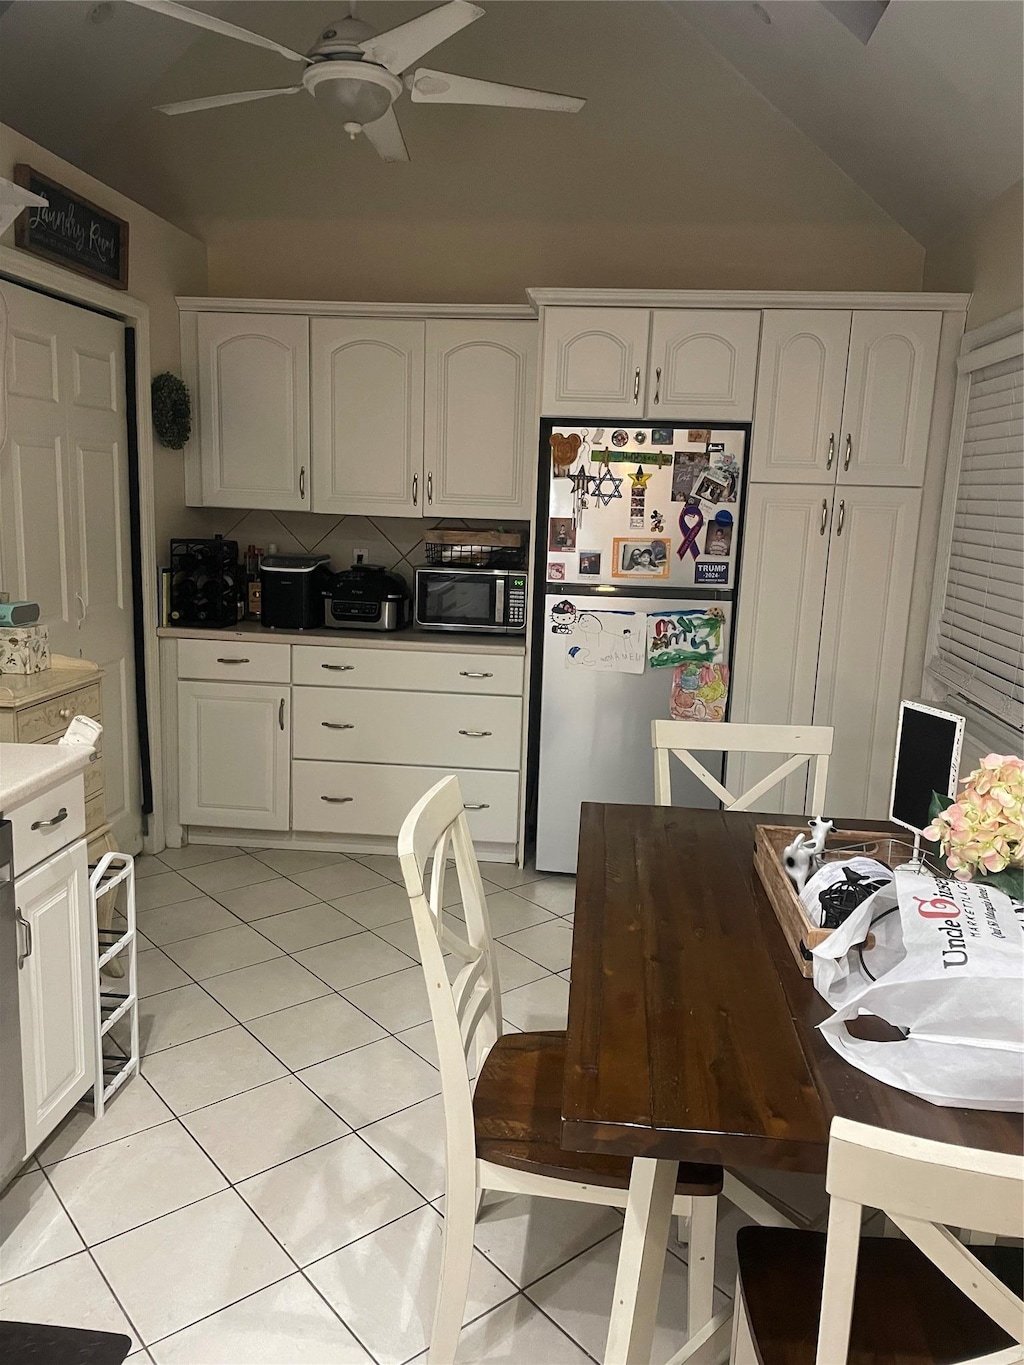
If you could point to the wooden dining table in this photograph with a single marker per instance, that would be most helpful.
(692, 1036)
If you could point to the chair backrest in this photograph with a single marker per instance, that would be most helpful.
(805, 743)
(466, 1011)
(925, 1188)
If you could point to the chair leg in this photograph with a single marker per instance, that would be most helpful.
(683, 1219)
(456, 1262)
(743, 1350)
(700, 1261)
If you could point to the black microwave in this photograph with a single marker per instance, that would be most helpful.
(455, 598)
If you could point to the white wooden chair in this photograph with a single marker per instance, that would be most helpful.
(906, 1307)
(805, 743)
(503, 1134)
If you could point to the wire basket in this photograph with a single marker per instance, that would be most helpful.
(477, 549)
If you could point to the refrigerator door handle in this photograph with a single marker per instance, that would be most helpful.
(657, 385)
(636, 386)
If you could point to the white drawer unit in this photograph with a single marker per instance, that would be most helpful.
(407, 670)
(47, 823)
(234, 660)
(375, 798)
(430, 728)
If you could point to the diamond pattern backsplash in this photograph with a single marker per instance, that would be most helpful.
(396, 543)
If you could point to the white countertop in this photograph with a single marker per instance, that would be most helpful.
(28, 770)
(462, 642)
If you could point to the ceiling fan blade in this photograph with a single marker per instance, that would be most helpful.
(385, 136)
(201, 20)
(399, 47)
(217, 101)
(437, 87)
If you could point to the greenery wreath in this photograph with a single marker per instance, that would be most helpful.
(172, 411)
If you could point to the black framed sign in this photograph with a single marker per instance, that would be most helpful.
(72, 231)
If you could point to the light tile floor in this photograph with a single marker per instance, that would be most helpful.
(271, 1189)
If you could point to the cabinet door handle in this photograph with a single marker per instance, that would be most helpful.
(82, 613)
(475, 805)
(280, 714)
(57, 819)
(338, 668)
(831, 449)
(842, 516)
(415, 489)
(465, 674)
(337, 800)
(824, 516)
(849, 451)
(636, 386)
(430, 488)
(24, 924)
(657, 385)
(232, 661)
(302, 483)
(335, 725)
(475, 734)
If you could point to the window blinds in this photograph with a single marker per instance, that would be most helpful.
(979, 647)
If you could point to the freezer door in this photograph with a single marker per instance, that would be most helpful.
(595, 736)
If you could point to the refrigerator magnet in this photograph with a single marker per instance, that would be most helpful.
(640, 557)
(640, 437)
(710, 487)
(698, 435)
(657, 522)
(606, 487)
(691, 520)
(718, 538)
(699, 691)
(662, 436)
(590, 562)
(619, 438)
(687, 467)
(556, 571)
(564, 449)
(561, 534)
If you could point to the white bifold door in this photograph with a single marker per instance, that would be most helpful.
(64, 512)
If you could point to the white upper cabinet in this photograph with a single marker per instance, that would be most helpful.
(595, 362)
(889, 390)
(479, 434)
(703, 364)
(801, 380)
(253, 376)
(367, 416)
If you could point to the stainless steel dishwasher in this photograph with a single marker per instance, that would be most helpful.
(12, 1101)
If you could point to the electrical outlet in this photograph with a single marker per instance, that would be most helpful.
(358, 555)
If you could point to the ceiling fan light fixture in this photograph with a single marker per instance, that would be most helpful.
(361, 93)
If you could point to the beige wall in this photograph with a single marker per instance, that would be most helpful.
(163, 261)
(403, 259)
(986, 260)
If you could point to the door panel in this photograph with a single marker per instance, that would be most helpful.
(595, 362)
(778, 625)
(863, 640)
(367, 416)
(254, 410)
(889, 388)
(801, 380)
(703, 364)
(479, 435)
(233, 743)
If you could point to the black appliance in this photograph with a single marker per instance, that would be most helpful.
(204, 583)
(291, 591)
(460, 598)
(366, 597)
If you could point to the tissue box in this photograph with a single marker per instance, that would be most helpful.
(24, 649)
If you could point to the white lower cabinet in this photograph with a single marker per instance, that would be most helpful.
(375, 798)
(55, 975)
(233, 754)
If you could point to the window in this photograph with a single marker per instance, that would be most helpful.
(978, 640)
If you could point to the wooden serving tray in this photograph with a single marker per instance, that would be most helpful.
(769, 843)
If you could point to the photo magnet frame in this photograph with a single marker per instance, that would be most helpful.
(928, 745)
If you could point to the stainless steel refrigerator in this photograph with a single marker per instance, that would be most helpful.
(638, 544)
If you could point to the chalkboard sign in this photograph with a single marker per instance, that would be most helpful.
(72, 232)
(928, 744)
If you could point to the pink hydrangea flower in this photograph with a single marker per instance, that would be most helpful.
(983, 830)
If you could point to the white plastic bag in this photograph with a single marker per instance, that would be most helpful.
(948, 969)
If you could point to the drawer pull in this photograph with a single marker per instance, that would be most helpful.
(336, 725)
(337, 800)
(24, 924)
(65, 713)
(475, 734)
(233, 661)
(465, 674)
(338, 668)
(475, 805)
(57, 819)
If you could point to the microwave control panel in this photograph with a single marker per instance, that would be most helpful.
(517, 603)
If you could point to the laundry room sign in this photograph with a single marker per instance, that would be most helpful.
(72, 231)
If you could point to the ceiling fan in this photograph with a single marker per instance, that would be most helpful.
(361, 72)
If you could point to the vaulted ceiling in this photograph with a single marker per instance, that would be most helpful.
(769, 112)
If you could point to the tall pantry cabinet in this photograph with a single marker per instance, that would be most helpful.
(839, 444)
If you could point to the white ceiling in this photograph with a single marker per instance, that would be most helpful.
(682, 121)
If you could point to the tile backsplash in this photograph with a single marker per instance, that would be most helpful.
(394, 542)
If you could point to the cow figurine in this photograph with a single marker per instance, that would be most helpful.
(798, 860)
